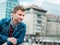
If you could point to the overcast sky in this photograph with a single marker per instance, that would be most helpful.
(38, 2)
(54, 1)
(31, 2)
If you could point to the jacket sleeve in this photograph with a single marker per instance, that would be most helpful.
(20, 39)
(2, 37)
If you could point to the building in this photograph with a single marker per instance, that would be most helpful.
(52, 36)
(42, 28)
(2, 9)
(35, 18)
(10, 5)
(6, 6)
(53, 24)
(36, 22)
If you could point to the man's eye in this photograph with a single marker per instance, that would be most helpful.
(20, 14)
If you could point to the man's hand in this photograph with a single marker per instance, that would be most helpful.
(4, 43)
(13, 40)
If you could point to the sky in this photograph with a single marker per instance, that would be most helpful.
(38, 2)
(52, 6)
(54, 1)
(31, 2)
(2, 0)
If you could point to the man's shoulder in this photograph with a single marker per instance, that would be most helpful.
(4, 20)
(23, 24)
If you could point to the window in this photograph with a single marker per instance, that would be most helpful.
(38, 21)
(38, 15)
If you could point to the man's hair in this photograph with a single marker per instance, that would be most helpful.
(18, 8)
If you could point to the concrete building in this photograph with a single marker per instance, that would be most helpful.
(51, 24)
(42, 28)
(35, 20)
(52, 36)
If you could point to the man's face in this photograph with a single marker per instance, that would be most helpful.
(18, 16)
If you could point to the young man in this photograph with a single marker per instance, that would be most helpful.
(12, 30)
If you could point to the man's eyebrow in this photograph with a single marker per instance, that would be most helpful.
(21, 14)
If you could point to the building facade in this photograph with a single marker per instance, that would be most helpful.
(2, 9)
(6, 6)
(10, 5)
(42, 28)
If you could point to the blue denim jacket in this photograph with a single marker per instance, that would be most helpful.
(18, 33)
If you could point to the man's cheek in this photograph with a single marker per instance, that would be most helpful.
(19, 20)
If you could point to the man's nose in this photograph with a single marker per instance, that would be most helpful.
(22, 17)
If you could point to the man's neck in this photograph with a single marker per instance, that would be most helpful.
(14, 21)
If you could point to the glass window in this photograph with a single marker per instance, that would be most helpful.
(38, 15)
(38, 21)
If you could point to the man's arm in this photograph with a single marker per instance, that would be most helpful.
(2, 37)
(20, 38)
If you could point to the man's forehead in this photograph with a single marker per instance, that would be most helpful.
(20, 11)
